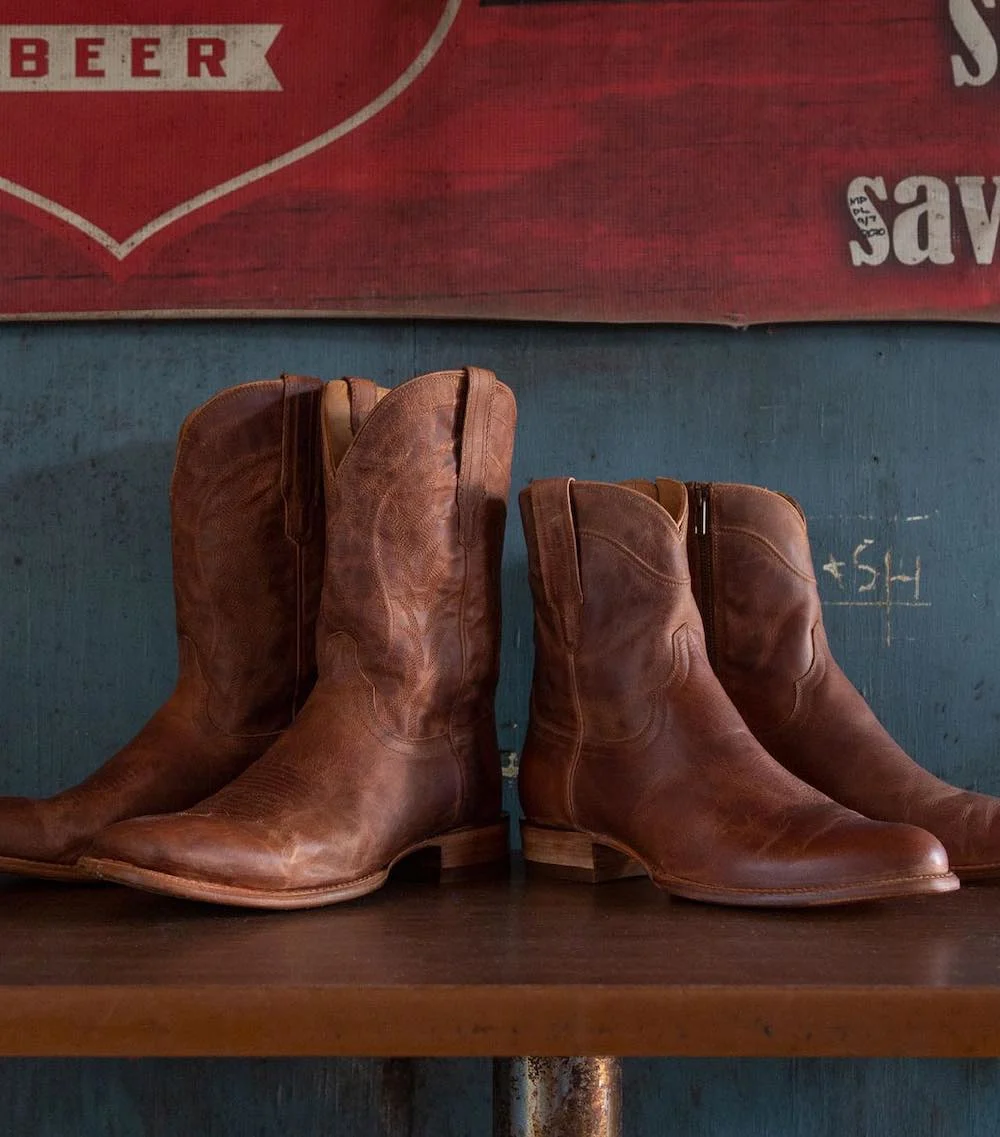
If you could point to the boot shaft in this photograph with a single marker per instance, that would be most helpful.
(610, 581)
(753, 578)
(415, 514)
(247, 532)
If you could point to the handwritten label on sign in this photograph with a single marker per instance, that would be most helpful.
(923, 232)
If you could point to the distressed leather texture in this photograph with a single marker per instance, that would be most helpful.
(632, 739)
(247, 536)
(774, 661)
(397, 741)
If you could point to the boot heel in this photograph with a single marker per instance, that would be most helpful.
(570, 855)
(465, 854)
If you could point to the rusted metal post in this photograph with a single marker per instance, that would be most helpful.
(557, 1097)
(395, 1098)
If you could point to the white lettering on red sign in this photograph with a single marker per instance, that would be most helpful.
(979, 66)
(922, 232)
(106, 57)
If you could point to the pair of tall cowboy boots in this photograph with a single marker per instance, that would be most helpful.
(336, 563)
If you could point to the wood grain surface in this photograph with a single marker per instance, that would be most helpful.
(497, 968)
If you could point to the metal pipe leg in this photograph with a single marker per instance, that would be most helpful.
(557, 1097)
(395, 1098)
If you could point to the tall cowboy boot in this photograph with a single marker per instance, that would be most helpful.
(755, 585)
(636, 761)
(247, 533)
(395, 751)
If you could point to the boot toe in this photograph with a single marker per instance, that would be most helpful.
(858, 858)
(832, 855)
(188, 847)
(898, 850)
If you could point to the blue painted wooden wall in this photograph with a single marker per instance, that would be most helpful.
(886, 433)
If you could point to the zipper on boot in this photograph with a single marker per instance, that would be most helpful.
(702, 531)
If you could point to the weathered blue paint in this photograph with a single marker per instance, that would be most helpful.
(887, 434)
(812, 1098)
(242, 1098)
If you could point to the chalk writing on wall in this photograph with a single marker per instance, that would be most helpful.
(875, 574)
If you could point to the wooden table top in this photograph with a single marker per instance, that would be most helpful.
(496, 968)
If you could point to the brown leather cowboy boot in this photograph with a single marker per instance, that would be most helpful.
(247, 532)
(395, 751)
(636, 761)
(753, 577)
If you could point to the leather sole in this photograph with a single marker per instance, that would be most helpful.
(575, 855)
(449, 857)
(43, 870)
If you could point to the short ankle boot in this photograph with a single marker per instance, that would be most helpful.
(754, 580)
(636, 762)
(247, 535)
(395, 751)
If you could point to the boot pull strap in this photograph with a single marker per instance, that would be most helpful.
(480, 388)
(300, 481)
(555, 536)
(363, 395)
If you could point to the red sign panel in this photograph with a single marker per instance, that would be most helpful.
(737, 161)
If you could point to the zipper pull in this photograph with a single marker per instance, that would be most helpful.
(701, 511)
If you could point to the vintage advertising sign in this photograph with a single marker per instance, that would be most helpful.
(733, 161)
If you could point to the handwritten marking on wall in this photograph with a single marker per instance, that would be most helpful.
(873, 577)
